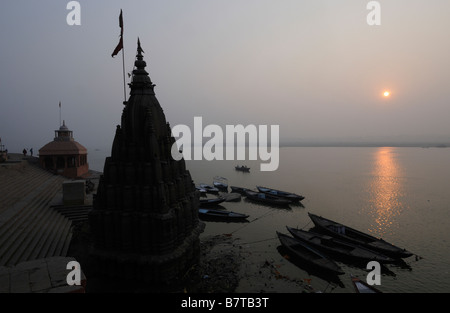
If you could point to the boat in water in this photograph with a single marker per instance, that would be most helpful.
(363, 287)
(221, 215)
(308, 255)
(357, 237)
(240, 190)
(211, 201)
(201, 190)
(231, 197)
(334, 246)
(266, 198)
(242, 168)
(282, 194)
(220, 183)
(209, 188)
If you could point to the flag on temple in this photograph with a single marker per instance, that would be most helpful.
(120, 45)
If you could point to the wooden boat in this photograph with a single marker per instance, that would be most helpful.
(282, 194)
(201, 190)
(266, 198)
(220, 183)
(363, 287)
(357, 237)
(240, 190)
(211, 202)
(332, 245)
(209, 188)
(242, 168)
(231, 197)
(306, 254)
(221, 215)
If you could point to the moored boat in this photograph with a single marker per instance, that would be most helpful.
(363, 287)
(266, 198)
(357, 237)
(211, 201)
(334, 246)
(222, 215)
(209, 188)
(242, 168)
(240, 190)
(201, 190)
(231, 197)
(306, 254)
(282, 194)
(220, 183)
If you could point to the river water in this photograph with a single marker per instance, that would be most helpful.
(399, 194)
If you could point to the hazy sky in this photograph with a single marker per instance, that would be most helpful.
(314, 67)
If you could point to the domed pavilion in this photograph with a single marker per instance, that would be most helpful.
(64, 156)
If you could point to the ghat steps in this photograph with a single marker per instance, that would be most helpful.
(29, 228)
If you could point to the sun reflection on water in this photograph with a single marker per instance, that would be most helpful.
(386, 192)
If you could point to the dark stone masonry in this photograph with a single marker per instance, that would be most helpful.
(144, 220)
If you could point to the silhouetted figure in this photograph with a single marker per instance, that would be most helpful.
(31, 151)
(24, 152)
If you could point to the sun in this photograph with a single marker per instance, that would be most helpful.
(386, 93)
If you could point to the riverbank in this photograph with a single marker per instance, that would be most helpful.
(225, 266)
(216, 272)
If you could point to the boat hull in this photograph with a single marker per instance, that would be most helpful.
(362, 287)
(282, 194)
(266, 199)
(357, 237)
(211, 202)
(222, 215)
(338, 247)
(308, 255)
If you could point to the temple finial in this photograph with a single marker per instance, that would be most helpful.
(140, 80)
(139, 49)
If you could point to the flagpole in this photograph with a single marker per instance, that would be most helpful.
(119, 47)
(124, 82)
(59, 113)
(123, 65)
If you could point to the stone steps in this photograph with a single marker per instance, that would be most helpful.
(29, 228)
(17, 225)
(75, 213)
(20, 182)
(30, 234)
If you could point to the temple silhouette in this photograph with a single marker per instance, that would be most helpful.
(145, 214)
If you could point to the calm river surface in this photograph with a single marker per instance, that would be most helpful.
(399, 194)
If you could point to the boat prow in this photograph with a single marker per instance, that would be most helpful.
(349, 234)
(363, 287)
(308, 255)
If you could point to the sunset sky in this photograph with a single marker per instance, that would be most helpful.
(314, 67)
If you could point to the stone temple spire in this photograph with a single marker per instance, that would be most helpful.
(145, 213)
(141, 81)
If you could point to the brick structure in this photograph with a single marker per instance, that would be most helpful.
(145, 214)
(64, 156)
